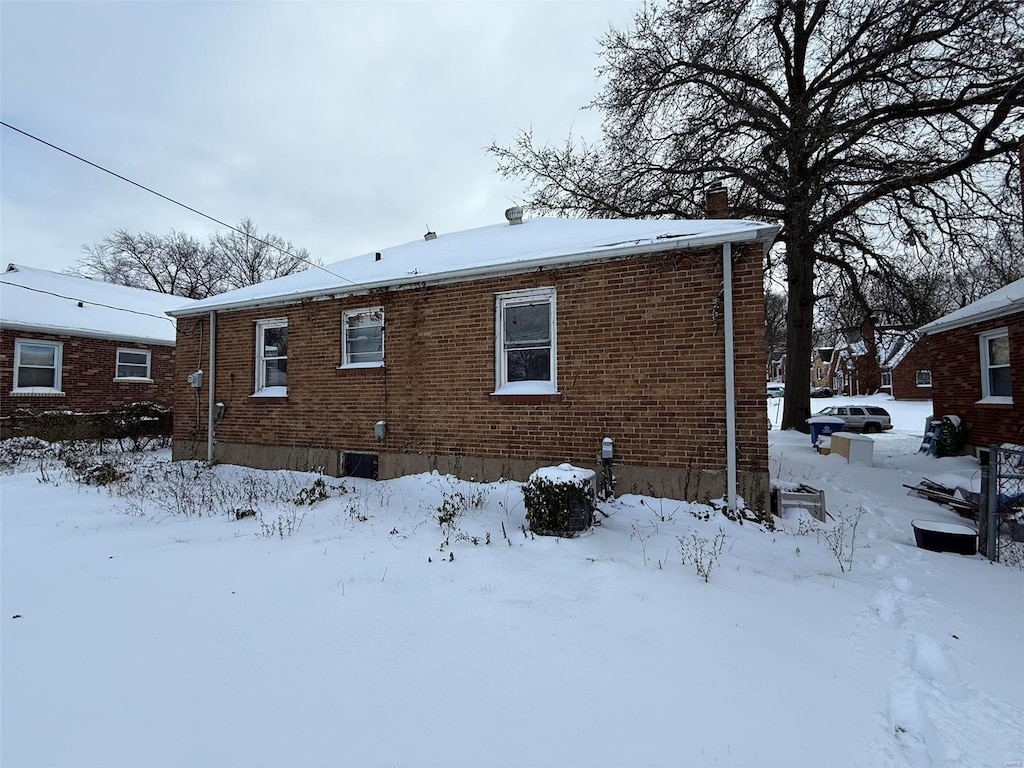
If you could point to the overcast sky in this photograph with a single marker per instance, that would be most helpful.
(344, 127)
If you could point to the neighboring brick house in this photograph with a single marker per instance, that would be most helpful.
(490, 352)
(874, 359)
(977, 365)
(906, 366)
(76, 345)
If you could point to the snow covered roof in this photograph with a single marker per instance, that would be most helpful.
(39, 300)
(496, 249)
(1006, 301)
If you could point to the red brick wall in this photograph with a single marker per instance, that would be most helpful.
(956, 382)
(88, 372)
(640, 359)
(904, 375)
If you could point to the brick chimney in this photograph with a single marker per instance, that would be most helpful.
(716, 200)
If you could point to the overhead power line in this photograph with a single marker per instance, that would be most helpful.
(92, 303)
(176, 202)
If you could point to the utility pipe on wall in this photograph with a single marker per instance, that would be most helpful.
(730, 380)
(211, 379)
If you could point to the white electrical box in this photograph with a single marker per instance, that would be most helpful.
(195, 379)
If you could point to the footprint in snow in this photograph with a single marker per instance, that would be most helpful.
(933, 663)
(912, 728)
(887, 605)
(881, 562)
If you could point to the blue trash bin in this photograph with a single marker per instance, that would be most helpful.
(823, 426)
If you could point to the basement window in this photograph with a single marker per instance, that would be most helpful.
(362, 338)
(37, 367)
(525, 343)
(133, 365)
(272, 357)
(995, 366)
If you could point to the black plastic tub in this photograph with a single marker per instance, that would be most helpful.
(945, 537)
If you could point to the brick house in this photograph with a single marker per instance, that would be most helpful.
(71, 344)
(874, 359)
(977, 364)
(905, 366)
(490, 352)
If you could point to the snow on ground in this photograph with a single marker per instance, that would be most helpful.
(353, 635)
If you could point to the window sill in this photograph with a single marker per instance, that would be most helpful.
(995, 401)
(360, 369)
(270, 395)
(132, 380)
(924, 386)
(514, 399)
(36, 392)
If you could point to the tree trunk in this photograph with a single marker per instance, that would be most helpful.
(800, 335)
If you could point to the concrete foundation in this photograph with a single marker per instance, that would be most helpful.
(662, 482)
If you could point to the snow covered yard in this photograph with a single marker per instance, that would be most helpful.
(348, 632)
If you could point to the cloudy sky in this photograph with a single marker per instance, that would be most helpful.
(344, 127)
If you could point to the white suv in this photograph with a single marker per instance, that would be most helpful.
(860, 418)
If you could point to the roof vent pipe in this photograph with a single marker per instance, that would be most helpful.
(376, 256)
(514, 215)
(430, 235)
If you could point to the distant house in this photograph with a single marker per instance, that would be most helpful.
(821, 366)
(76, 345)
(977, 366)
(889, 359)
(490, 352)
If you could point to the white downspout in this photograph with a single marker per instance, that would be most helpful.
(730, 379)
(210, 379)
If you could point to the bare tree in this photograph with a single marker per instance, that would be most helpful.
(246, 257)
(178, 263)
(775, 322)
(854, 123)
(174, 263)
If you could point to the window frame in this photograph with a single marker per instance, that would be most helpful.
(58, 365)
(345, 315)
(262, 326)
(886, 379)
(918, 376)
(526, 297)
(148, 378)
(986, 366)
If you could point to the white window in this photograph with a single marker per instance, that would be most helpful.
(272, 356)
(37, 366)
(886, 378)
(362, 338)
(133, 364)
(995, 366)
(924, 378)
(525, 342)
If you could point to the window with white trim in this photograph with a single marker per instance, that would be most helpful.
(924, 378)
(995, 365)
(525, 342)
(133, 364)
(362, 338)
(37, 366)
(886, 378)
(272, 356)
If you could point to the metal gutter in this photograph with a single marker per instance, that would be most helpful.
(210, 382)
(730, 379)
(66, 331)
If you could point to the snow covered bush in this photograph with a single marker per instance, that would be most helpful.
(560, 501)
